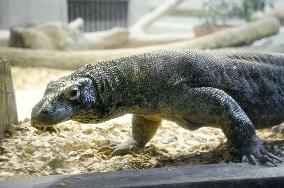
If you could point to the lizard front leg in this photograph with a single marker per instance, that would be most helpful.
(143, 129)
(211, 105)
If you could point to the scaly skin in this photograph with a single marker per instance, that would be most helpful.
(236, 91)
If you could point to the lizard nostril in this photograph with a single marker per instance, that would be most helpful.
(45, 111)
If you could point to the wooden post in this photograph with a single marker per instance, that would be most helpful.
(8, 110)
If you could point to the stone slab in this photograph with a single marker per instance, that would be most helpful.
(199, 176)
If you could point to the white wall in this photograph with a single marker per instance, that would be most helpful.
(22, 12)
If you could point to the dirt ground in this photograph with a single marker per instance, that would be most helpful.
(74, 148)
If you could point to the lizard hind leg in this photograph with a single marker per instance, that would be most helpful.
(143, 129)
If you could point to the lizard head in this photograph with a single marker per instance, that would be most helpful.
(63, 99)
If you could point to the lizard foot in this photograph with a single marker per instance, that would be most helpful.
(124, 148)
(256, 153)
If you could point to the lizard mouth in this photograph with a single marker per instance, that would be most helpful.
(83, 120)
(48, 121)
(44, 118)
(35, 124)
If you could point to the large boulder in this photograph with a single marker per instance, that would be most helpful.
(53, 36)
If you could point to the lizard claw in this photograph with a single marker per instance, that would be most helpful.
(265, 159)
(104, 148)
(273, 156)
(249, 159)
(122, 149)
(257, 153)
(111, 147)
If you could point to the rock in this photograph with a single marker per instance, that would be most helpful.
(52, 36)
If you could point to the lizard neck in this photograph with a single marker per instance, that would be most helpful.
(125, 85)
(118, 93)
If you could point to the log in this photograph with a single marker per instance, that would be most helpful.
(112, 38)
(78, 23)
(40, 36)
(135, 41)
(122, 38)
(71, 60)
(8, 110)
(134, 36)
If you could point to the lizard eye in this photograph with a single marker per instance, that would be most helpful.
(73, 93)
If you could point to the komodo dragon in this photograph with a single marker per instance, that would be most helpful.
(236, 91)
